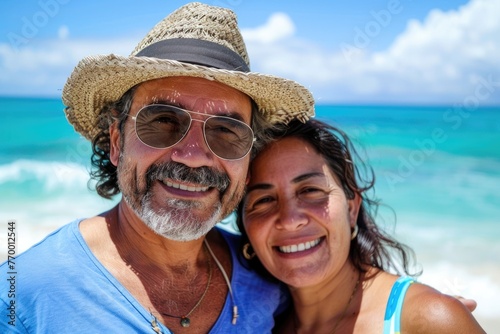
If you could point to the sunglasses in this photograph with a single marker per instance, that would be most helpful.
(163, 126)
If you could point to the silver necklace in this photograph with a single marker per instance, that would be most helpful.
(221, 268)
(154, 322)
(185, 320)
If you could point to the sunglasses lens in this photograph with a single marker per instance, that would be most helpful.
(228, 138)
(161, 126)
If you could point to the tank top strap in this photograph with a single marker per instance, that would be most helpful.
(392, 318)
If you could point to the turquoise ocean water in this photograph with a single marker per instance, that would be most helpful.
(437, 169)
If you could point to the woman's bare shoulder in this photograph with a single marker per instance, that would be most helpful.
(427, 310)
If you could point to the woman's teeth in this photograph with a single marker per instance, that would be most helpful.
(299, 247)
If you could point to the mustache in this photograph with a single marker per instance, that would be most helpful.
(203, 176)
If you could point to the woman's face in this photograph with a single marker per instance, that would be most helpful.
(296, 214)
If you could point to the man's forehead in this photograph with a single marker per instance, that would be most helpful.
(195, 94)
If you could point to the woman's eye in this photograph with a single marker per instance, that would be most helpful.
(309, 194)
(262, 200)
(259, 204)
(310, 191)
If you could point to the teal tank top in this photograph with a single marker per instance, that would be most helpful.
(392, 318)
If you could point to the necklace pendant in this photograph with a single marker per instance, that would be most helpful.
(185, 322)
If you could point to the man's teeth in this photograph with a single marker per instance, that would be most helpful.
(299, 247)
(184, 187)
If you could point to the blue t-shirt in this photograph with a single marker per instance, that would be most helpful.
(61, 287)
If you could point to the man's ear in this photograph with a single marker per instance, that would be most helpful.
(114, 143)
(247, 181)
(354, 205)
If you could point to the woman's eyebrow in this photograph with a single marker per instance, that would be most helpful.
(300, 178)
(259, 186)
(303, 177)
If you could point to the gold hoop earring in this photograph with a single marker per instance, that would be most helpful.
(245, 252)
(355, 232)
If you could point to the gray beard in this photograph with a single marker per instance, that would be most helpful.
(177, 222)
(175, 219)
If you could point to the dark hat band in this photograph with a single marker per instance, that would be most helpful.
(196, 51)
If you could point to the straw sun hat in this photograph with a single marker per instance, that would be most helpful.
(196, 40)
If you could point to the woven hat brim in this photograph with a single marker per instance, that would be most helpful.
(98, 80)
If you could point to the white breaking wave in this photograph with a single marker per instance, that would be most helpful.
(41, 196)
(52, 175)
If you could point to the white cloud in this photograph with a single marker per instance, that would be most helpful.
(279, 26)
(441, 59)
(445, 53)
(41, 68)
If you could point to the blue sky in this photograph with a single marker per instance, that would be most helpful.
(356, 52)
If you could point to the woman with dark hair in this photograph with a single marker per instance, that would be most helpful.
(310, 222)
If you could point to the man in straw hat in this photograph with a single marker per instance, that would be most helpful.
(172, 126)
